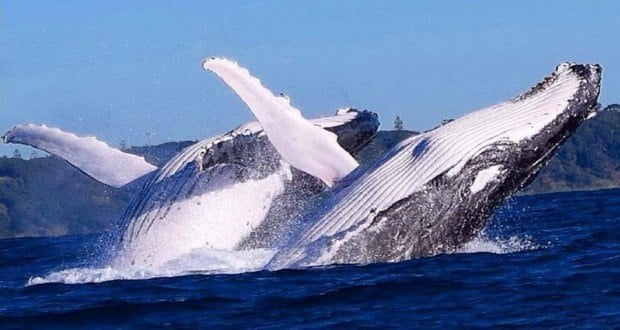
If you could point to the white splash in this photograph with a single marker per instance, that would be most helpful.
(484, 177)
(198, 261)
(207, 262)
(498, 245)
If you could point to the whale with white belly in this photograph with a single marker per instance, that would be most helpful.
(435, 191)
(229, 192)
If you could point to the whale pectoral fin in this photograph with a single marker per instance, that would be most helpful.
(91, 156)
(305, 146)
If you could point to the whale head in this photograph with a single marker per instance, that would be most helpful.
(501, 148)
(499, 151)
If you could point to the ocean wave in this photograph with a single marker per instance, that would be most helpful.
(500, 245)
(198, 261)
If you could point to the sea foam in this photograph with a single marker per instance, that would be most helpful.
(198, 261)
(500, 245)
(207, 261)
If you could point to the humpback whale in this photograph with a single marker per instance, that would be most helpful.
(232, 191)
(435, 191)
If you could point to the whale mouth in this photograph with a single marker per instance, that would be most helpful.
(516, 164)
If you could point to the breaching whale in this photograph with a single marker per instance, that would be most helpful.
(232, 191)
(434, 192)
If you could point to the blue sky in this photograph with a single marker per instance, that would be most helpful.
(119, 69)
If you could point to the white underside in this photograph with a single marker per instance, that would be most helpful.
(216, 220)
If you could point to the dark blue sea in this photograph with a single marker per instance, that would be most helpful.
(544, 261)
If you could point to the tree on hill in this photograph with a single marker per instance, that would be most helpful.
(398, 124)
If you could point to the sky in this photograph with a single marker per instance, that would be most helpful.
(131, 70)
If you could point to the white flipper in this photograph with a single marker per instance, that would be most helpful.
(305, 146)
(91, 156)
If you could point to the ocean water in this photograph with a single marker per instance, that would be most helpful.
(544, 261)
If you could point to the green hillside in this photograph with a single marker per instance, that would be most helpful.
(45, 196)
